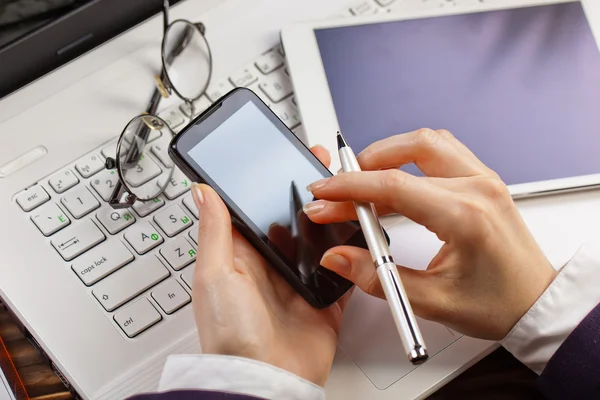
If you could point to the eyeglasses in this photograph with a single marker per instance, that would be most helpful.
(142, 163)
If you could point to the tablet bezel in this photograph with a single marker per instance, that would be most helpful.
(316, 107)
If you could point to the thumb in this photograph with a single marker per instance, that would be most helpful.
(215, 243)
(356, 265)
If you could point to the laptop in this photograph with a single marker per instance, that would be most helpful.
(107, 335)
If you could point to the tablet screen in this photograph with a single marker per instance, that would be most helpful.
(520, 87)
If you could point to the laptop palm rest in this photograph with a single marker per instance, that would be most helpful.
(370, 339)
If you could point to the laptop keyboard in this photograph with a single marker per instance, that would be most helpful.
(137, 263)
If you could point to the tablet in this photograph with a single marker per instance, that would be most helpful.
(519, 86)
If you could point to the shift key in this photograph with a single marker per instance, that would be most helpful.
(101, 261)
(128, 282)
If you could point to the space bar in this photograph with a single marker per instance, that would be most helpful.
(128, 282)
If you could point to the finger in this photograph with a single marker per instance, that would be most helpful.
(356, 265)
(416, 199)
(214, 232)
(327, 212)
(322, 154)
(436, 153)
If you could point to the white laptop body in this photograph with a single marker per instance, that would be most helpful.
(78, 109)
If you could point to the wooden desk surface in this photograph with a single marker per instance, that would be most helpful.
(40, 381)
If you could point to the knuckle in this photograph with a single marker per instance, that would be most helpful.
(494, 190)
(477, 216)
(392, 179)
(445, 134)
(426, 137)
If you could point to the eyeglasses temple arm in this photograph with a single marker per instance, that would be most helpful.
(165, 15)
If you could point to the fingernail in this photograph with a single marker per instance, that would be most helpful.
(316, 185)
(336, 263)
(314, 207)
(197, 195)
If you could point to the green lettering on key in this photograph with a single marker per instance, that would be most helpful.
(154, 236)
(192, 253)
(185, 220)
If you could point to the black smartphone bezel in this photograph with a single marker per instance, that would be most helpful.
(206, 123)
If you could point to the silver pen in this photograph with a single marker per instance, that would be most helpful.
(386, 268)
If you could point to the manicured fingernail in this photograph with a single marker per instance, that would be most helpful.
(336, 263)
(314, 207)
(197, 195)
(316, 185)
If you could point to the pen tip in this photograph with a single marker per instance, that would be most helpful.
(341, 141)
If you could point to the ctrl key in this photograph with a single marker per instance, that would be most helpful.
(137, 317)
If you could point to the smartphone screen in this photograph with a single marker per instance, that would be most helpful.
(262, 170)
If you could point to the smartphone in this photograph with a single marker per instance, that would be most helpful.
(261, 169)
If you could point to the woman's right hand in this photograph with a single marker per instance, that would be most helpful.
(489, 271)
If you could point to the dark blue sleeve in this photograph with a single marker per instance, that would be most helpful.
(192, 395)
(573, 372)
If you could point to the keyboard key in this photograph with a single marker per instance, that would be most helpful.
(277, 87)
(77, 239)
(172, 220)
(288, 113)
(363, 8)
(178, 253)
(115, 220)
(110, 150)
(244, 77)
(255, 87)
(104, 184)
(218, 89)
(161, 153)
(188, 276)
(137, 317)
(101, 261)
(32, 198)
(269, 62)
(145, 170)
(80, 202)
(300, 133)
(170, 296)
(188, 202)
(178, 185)
(143, 237)
(280, 50)
(126, 283)
(63, 181)
(200, 106)
(50, 219)
(194, 235)
(89, 165)
(172, 117)
(144, 208)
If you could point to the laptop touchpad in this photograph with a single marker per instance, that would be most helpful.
(370, 338)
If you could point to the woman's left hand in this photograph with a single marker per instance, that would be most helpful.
(243, 307)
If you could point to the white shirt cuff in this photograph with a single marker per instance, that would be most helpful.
(235, 375)
(558, 311)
